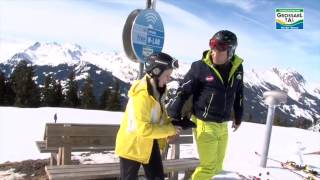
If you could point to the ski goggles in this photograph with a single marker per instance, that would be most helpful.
(218, 45)
(174, 63)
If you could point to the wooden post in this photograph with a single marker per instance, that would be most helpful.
(188, 174)
(59, 156)
(164, 153)
(175, 154)
(53, 159)
(66, 151)
(66, 155)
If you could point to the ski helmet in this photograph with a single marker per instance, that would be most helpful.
(158, 62)
(224, 40)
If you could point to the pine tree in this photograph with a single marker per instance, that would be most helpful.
(2, 89)
(58, 96)
(277, 120)
(72, 99)
(25, 88)
(104, 99)
(114, 99)
(10, 95)
(250, 118)
(88, 100)
(48, 91)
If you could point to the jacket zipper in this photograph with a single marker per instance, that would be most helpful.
(225, 96)
(208, 107)
(225, 104)
(232, 81)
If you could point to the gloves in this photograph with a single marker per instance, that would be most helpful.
(185, 123)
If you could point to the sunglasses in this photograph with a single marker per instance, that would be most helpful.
(218, 45)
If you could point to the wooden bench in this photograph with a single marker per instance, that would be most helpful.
(62, 139)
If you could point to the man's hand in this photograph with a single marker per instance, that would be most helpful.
(184, 123)
(235, 126)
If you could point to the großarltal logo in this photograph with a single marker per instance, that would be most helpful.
(289, 18)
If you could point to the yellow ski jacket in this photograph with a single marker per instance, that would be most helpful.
(145, 119)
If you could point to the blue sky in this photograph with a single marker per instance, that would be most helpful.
(189, 24)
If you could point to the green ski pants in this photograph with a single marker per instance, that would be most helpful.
(211, 139)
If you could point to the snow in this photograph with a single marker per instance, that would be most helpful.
(315, 128)
(283, 79)
(11, 175)
(298, 112)
(21, 127)
(313, 89)
(173, 85)
(51, 54)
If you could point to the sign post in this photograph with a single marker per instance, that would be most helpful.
(143, 34)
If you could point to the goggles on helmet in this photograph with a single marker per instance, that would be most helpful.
(174, 63)
(218, 45)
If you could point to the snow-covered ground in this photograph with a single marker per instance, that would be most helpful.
(21, 127)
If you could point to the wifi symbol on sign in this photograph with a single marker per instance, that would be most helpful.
(151, 18)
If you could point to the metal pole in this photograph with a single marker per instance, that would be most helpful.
(141, 68)
(265, 149)
(151, 4)
(272, 99)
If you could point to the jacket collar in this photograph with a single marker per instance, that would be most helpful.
(145, 84)
(236, 62)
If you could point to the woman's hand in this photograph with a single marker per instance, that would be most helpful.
(178, 130)
(172, 139)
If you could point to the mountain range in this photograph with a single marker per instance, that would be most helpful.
(301, 109)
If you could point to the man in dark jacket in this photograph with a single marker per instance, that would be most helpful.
(216, 84)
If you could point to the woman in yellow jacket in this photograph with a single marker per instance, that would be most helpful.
(145, 125)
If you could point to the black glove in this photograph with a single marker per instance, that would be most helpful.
(185, 123)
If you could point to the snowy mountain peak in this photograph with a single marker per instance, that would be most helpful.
(35, 46)
(50, 54)
(291, 78)
(19, 57)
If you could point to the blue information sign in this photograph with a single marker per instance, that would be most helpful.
(147, 34)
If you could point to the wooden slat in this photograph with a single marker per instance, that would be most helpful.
(70, 168)
(106, 144)
(111, 169)
(42, 147)
(81, 141)
(57, 169)
(187, 132)
(80, 130)
(184, 140)
(79, 124)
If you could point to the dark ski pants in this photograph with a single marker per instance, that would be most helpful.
(153, 171)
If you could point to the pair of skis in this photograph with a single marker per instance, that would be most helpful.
(302, 171)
